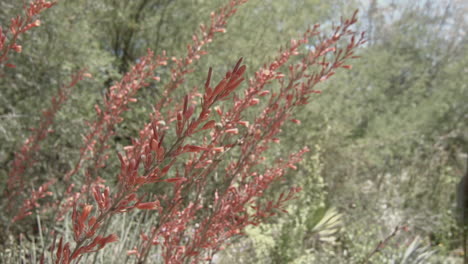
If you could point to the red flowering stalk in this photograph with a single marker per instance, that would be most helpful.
(124, 92)
(150, 158)
(32, 201)
(18, 26)
(243, 183)
(263, 76)
(235, 203)
(115, 104)
(24, 157)
(117, 100)
(125, 198)
(218, 22)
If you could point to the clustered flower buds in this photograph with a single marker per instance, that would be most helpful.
(19, 25)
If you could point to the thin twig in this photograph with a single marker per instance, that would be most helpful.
(381, 245)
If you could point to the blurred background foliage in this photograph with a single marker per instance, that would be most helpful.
(389, 138)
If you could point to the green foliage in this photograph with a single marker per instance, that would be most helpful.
(416, 253)
(387, 137)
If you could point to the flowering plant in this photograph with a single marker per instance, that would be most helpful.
(210, 136)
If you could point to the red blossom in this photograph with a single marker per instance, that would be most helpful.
(192, 148)
(148, 205)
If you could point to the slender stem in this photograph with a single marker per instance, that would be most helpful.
(382, 244)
